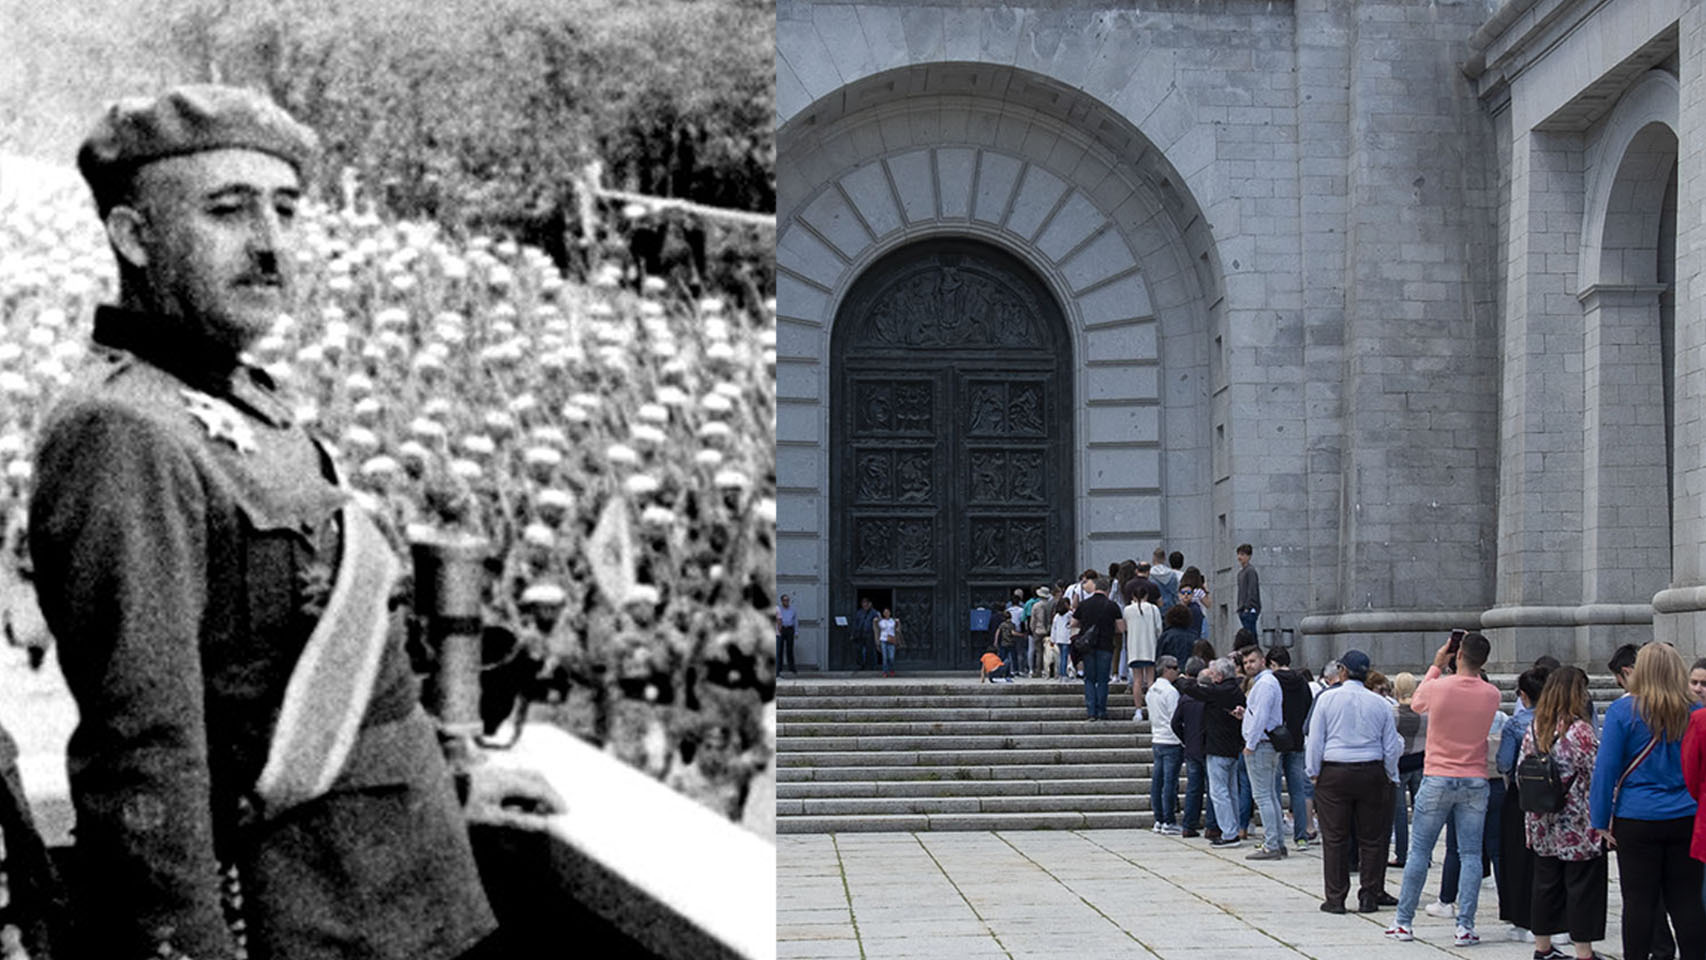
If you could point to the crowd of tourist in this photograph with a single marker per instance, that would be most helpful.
(1376, 768)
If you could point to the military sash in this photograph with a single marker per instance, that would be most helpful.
(332, 684)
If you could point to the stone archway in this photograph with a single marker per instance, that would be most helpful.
(1627, 273)
(950, 441)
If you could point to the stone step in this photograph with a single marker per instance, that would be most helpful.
(955, 714)
(1015, 695)
(1507, 681)
(957, 758)
(955, 687)
(918, 822)
(961, 774)
(896, 744)
(878, 806)
(960, 728)
(851, 789)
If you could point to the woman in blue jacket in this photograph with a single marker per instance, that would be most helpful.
(1653, 810)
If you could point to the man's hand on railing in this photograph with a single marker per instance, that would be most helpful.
(510, 796)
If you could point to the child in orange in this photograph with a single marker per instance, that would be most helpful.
(994, 669)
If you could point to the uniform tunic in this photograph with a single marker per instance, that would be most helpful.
(182, 560)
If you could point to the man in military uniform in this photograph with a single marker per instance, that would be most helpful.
(252, 773)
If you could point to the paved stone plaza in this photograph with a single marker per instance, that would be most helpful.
(1087, 895)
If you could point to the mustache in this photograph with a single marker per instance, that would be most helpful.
(260, 277)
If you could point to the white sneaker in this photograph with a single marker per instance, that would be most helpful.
(1465, 937)
(1514, 932)
(1400, 932)
(1438, 909)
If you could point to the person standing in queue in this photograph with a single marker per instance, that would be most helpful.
(1102, 631)
(1351, 753)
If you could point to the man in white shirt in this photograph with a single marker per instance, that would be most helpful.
(1351, 752)
(1263, 712)
(1168, 751)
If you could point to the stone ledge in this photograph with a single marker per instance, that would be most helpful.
(1588, 614)
(1387, 621)
(1680, 599)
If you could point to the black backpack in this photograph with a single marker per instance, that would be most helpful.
(1541, 787)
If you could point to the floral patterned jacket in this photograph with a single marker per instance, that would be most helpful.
(1566, 834)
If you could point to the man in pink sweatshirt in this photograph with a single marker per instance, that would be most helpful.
(1459, 706)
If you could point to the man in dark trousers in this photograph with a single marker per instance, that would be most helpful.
(1100, 617)
(1352, 755)
(1188, 727)
(864, 649)
(1249, 590)
(252, 771)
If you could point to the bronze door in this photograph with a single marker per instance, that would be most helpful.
(951, 444)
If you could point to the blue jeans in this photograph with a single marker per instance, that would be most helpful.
(1248, 618)
(1462, 801)
(1096, 666)
(1297, 781)
(1263, 763)
(1409, 781)
(888, 656)
(1245, 797)
(1490, 832)
(1196, 788)
(1164, 782)
(1220, 777)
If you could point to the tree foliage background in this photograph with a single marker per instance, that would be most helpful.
(478, 114)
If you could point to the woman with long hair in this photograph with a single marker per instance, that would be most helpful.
(1569, 856)
(1194, 591)
(1143, 631)
(1638, 781)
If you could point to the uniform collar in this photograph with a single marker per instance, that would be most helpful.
(201, 363)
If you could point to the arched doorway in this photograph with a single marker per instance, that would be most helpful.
(951, 442)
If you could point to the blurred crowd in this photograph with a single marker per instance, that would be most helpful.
(468, 387)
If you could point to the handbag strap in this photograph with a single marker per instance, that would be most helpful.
(1615, 791)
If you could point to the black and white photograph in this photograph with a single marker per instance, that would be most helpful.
(387, 479)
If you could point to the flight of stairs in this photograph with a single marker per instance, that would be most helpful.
(947, 753)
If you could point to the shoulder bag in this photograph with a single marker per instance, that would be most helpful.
(1615, 791)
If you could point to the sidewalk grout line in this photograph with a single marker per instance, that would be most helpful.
(967, 900)
(847, 891)
(1081, 898)
(1368, 918)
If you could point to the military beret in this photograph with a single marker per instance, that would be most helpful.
(189, 119)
